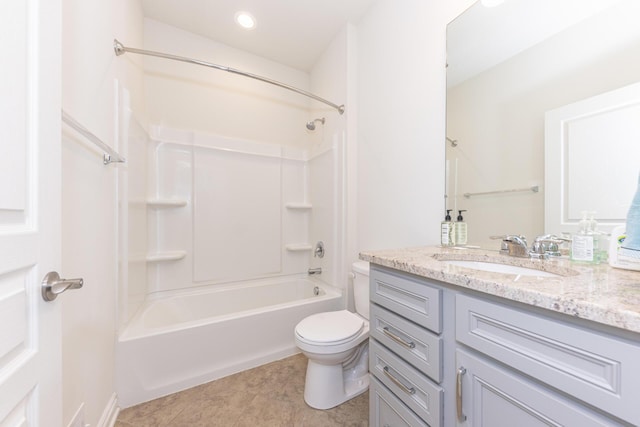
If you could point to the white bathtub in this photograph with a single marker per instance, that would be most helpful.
(180, 340)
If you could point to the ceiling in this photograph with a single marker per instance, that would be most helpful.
(290, 32)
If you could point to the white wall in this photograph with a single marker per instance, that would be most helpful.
(328, 183)
(401, 121)
(184, 96)
(89, 204)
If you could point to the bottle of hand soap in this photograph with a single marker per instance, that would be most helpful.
(447, 231)
(461, 230)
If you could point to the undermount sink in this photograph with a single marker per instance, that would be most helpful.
(500, 268)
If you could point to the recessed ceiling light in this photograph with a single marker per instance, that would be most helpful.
(245, 20)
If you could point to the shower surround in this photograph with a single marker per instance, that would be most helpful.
(234, 223)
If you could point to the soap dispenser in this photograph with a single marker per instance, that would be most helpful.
(447, 229)
(584, 244)
(460, 230)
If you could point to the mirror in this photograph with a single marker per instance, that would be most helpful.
(528, 146)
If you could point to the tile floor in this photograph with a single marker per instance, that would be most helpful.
(270, 395)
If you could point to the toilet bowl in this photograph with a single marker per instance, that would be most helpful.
(336, 344)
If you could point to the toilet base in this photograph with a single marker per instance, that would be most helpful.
(327, 386)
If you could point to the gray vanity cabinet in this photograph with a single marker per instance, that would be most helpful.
(405, 351)
(444, 356)
(597, 369)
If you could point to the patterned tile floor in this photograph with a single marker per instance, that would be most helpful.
(270, 395)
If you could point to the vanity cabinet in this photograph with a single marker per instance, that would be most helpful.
(405, 351)
(441, 355)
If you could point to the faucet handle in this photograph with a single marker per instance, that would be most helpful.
(512, 245)
(547, 244)
(551, 238)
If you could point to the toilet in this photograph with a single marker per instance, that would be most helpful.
(336, 344)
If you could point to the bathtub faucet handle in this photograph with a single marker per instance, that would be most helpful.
(315, 271)
(319, 250)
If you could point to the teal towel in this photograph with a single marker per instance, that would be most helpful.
(631, 245)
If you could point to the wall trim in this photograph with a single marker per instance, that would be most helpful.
(110, 413)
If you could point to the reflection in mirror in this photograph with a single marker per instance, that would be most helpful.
(509, 66)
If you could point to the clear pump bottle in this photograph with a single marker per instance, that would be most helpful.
(584, 243)
(447, 230)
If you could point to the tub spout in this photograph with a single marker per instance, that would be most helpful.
(315, 270)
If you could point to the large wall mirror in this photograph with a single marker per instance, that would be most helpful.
(543, 115)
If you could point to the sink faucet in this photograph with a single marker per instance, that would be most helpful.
(513, 245)
(542, 248)
(315, 271)
(546, 245)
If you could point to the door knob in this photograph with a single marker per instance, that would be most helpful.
(53, 285)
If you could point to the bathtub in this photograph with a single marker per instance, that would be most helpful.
(180, 340)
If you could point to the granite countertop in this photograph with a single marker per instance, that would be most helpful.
(598, 293)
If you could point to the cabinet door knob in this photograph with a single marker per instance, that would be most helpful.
(461, 371)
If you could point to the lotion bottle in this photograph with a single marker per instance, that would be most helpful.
(447, 237)
(460, 230)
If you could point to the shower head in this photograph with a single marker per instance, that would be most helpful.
(312, 124)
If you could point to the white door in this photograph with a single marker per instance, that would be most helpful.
(30, 357)
(591, 160)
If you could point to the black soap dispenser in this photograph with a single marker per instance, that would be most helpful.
(460, 230)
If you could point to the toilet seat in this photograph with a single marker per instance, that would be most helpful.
(330, 328)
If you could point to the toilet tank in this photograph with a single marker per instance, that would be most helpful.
(361, 287)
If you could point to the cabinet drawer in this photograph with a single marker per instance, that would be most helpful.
(386, 410)
(410, 297)
(596, 368)
(414, 389)
(416, 345)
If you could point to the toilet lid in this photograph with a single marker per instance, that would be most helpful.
(330, 327)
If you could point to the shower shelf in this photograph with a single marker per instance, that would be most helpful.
(166, 203)
(298, 247)
(298, 206)
(166, 256)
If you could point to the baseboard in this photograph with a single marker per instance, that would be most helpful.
(110, 414)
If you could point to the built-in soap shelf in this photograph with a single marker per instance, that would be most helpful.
(298, 247)
(166, 203)
(298, 206)
(166, 256)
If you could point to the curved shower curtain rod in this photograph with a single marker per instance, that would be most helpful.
(120, 49)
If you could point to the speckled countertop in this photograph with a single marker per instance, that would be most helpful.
(598, 293)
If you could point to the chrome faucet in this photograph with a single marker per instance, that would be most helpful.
(319, 250)
(315, 271)
(513, 245)
(546, 246)
(543, 246)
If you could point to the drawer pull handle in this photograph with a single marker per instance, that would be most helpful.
(461, 372)
(408, 344)
(398, 383)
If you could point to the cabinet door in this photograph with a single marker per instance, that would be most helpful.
(386, 410)
(492, 396)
